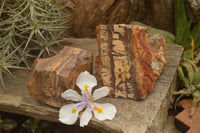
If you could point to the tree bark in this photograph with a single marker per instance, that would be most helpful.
(87, 14)
(193, 10)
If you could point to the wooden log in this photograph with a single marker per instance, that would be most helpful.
(87, 14)
(51, 76)
(193, 10)
(126, 61)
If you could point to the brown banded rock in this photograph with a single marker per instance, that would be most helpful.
(127, 62)
(51, 76)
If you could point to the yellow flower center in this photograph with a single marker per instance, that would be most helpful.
(86, 88)
(99, 110)
(74, 110)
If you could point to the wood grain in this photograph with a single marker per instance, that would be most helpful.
(146, 116)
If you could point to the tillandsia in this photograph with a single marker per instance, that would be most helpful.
(31, 28)
(189, 74)
(68, 114)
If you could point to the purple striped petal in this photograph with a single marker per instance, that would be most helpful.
(79, 105)
(90, 106)
(85, 96)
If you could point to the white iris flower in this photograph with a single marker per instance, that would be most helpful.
(68, 114)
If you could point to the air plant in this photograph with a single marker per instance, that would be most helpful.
(189, 74)
(29, 29)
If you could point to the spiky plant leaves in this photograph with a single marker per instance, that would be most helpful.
(186, 92)
(196, 35)
(182, 26)
(8, 125)
(196, 79)
(183, 77)
(189, 72)
(29, 27)
(197, 58)
(198, 86)
(196, 99)
(192, 48)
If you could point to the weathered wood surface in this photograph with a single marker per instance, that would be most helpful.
(193, 10)
(87, 14)
(147, 116)
(52, 76)
(129, 61)
(185, 120)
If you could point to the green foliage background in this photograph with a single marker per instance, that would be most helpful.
(29, 29)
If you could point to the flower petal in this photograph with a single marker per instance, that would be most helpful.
(85, 78)
(108, 109)
(85, 118)
(66, 116)
(100, 93)
(71, 95)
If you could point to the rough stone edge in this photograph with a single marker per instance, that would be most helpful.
(163, 112)
(49, 111)
(167, 101)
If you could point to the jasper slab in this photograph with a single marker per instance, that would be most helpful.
(129, 60)
(52, 76)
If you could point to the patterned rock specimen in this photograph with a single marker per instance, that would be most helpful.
(51, 76)
(129, 60)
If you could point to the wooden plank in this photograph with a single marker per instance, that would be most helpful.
(147, 116)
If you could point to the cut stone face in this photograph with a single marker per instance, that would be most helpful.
(52, 76)
(129, 60)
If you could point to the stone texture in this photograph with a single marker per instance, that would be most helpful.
(128, 63)
(184, 118)
(146, 116)
(169, 126)
(51, 76)
(87, 14)
(193, 10)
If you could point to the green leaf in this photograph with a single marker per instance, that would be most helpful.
(169, 37)
(182, 77)
(189, 71)
(187, 55)
(197, 58)
(8, 124)
(196, 73)
(196, 35)
(198, 86)
(182, 92)
(192, 48)
(182, 26)
(32, 124)
(196, 99)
